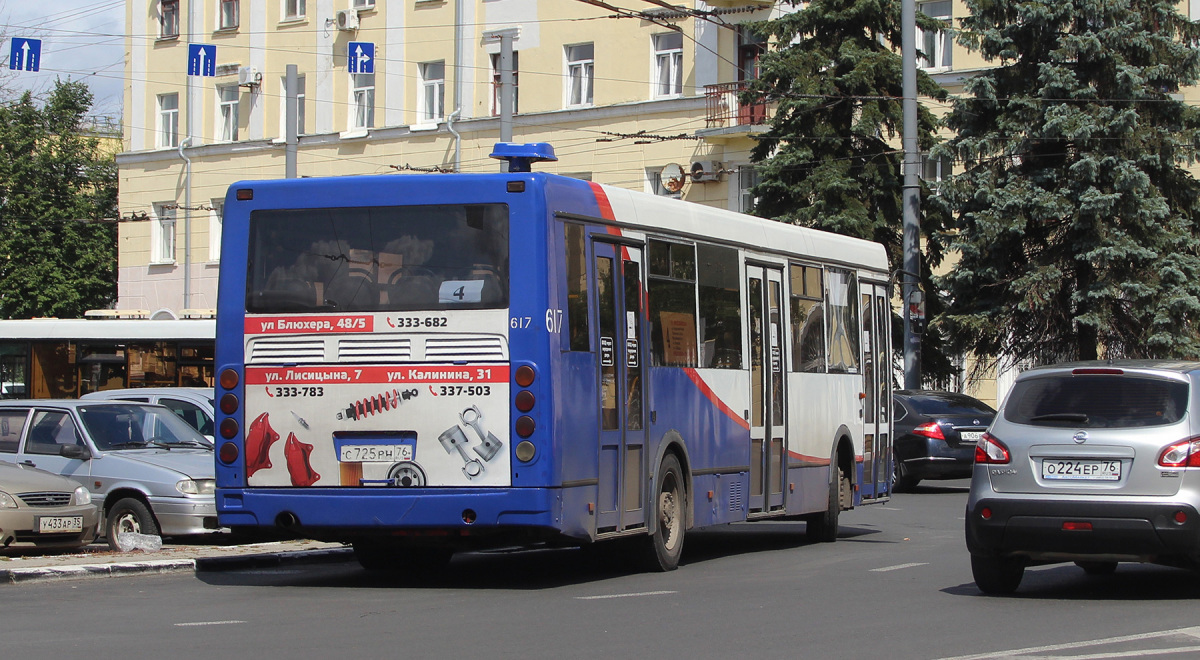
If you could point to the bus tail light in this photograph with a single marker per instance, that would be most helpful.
(230, 379)
(525, 426)
(229, 428)
(525, 451)
(229, 403)
(525, 401)
(991, 451)
(525, 375)
(229, 453)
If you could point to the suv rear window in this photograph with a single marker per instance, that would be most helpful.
(1097, 401)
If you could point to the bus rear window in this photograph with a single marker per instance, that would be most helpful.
(382, 258)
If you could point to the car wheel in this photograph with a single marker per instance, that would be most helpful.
(900, 482)
(126, 516)
(823, 527)
(665, 545)
(997, 576)
(386, 557)
(1097, 567)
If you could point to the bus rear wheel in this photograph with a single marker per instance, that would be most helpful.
(670, 515)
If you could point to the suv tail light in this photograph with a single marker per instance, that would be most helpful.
(990, 450)
(930, 430)
(1185, 453)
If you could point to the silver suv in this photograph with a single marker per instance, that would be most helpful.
(1091, 462)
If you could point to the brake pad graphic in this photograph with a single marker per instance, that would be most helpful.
(259, 439)
(299, 463)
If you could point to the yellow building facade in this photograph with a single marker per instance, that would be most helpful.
(624, 90)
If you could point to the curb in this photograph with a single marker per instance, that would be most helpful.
(152, 566)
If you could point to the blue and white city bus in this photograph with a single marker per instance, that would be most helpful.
(421, 364)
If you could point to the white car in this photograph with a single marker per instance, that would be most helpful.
(193, 404)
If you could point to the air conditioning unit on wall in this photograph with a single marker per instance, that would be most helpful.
(347, 19)
(249, 76)
(705, 170)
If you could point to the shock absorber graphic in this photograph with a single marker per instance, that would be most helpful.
(374, 405)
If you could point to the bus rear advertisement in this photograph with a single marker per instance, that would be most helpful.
(423, 364)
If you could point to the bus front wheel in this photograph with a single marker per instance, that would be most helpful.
(670, 515)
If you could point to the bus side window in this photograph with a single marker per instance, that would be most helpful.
(577, 291)
(808, 319)
(671, 288)
(720, 307)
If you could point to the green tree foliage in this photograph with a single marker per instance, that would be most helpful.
(831, 158)
(1077, 218)
(56, 257)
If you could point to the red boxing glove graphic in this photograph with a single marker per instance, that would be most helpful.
(298, 461)
(258, 444)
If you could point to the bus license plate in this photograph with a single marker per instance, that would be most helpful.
(376, 453)
(1081, 470)
(60, 524)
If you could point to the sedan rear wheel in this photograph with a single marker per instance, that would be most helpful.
(129, 515)
(997, 576)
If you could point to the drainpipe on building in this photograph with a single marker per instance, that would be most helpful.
(187, 223)
(457, 138)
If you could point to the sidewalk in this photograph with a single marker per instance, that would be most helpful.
(97, 560)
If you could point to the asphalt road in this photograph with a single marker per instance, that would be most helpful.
(897, 584)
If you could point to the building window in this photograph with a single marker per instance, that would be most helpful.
(935, 170)
(363, 4)
(668, 65)
(216, 219)
(363, 98)
(227, 113)
(293, 9)
(168, 19)
(658, 185)
(748, 177)
(283, 106)
(432, 93)
(168, 120)
(935, 45)
(162, 233)
(496, 83)
(228, 15)
(580, 65)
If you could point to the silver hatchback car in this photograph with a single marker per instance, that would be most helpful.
(150, 472)
(1091, 462)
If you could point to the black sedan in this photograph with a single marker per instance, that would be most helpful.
(935, 435)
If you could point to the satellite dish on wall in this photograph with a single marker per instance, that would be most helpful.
(672, 177)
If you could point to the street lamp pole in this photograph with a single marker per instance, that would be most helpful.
(910, 276)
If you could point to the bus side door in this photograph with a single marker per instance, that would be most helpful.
(620, 329)
(877, 393)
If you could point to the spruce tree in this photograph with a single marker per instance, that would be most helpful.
(1076, 214)
(57, 254)
(831, 157)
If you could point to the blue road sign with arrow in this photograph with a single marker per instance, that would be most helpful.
(202, 60)
(26, 54)
(360, 57)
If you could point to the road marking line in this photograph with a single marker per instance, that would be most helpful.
(1193, 632)
(1125, 654)
(633, 595)
(208, 623)
(898, 567)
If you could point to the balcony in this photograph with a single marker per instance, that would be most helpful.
(727, 117)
